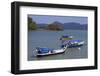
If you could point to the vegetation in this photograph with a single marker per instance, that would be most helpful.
(31, 24)
(53, 26)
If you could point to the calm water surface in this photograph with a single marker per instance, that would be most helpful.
(50, 39)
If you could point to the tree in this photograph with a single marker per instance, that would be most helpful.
(31, 24)
(29, 20)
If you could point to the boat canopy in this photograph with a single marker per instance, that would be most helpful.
(44, 50)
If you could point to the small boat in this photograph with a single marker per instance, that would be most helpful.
(73, 43)
(48, 51)
(66, 37)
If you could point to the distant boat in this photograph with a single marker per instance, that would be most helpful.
(73, 43)
(48, 51)
(66, 37)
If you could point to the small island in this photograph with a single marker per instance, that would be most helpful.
(55, 26)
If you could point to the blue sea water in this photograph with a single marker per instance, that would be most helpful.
(51, 39)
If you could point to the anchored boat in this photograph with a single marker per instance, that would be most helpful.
(67, 42)
(72, 43)
(66, 37)
(48, 51)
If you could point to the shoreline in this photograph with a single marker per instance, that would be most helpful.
(44, 30)
(54, 30)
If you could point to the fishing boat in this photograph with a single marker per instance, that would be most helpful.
(49, 51)
(73, 43)
(66, 37)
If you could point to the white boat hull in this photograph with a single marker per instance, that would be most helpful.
(58, 51)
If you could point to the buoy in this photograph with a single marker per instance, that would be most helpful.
(79, 48)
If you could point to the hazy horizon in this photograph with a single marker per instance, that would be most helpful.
(47, 19)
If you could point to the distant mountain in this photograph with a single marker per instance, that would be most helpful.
(69, 25)
(75, 26)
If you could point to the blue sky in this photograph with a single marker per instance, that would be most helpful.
(63, 19)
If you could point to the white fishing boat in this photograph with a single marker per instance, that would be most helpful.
(48, 51)
(73, 43)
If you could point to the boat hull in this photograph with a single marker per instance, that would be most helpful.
(50, 54)
(70, 38)
(73, 46)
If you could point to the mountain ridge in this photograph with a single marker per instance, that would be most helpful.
(68, 25)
